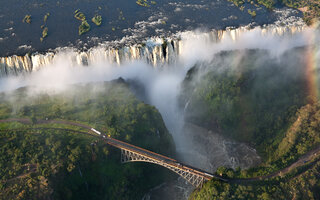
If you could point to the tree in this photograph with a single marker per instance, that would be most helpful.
(57, 111)
(33, 119)
(70, 167)
(25, 110)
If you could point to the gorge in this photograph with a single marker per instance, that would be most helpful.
(212, 88)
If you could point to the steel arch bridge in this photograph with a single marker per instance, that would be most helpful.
(131, 153)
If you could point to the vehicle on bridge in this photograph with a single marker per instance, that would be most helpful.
(97, 132)
(131, 153)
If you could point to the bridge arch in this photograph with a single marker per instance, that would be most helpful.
(189, 175)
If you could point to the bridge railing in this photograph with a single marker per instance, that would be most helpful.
(152, 155)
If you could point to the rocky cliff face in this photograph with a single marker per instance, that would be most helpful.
(155, 51)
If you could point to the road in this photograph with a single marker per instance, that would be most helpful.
(300, 162)
(28, 121)
(123, 145)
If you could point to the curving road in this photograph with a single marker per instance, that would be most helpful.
(300, 162)
(122, 145)
(28, 121)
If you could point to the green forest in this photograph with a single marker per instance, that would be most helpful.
(62, 161)
(310, 9)
(257, 100)
(300, 183)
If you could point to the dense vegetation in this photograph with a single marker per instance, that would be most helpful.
(44, 27)
(254, 98)
(38, 162)
(310, 9)
(267, 3)
(27, 19)
(251, 99)
(300, 183)
(303, 186)
(252, 13)
(97, 19)
(45, 32)
(45, 18)
(145, 3)
(84, 26)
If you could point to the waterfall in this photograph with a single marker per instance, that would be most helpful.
(154, 51)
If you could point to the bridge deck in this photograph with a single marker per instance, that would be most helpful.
(169, 161)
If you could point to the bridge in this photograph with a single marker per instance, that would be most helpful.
(131, 153)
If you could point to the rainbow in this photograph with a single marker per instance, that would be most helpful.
(311, 67)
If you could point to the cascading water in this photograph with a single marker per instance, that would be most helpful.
(160, 66)
(155, 51)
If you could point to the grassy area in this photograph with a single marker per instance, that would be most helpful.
(21, 126)
(11, 125)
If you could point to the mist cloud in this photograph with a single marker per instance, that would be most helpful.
(162, 85)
